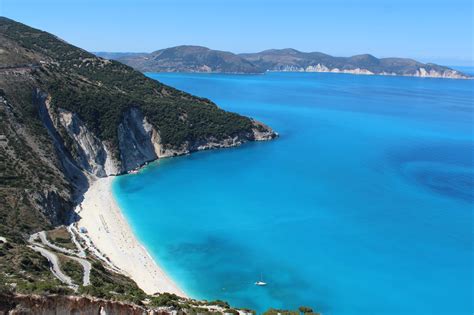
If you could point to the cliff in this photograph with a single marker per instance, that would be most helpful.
(202, 59)
(53, 304)
(297, 61)
(67, 116)
(56, 304)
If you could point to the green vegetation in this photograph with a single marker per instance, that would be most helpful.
(36, 190)
(71, 268)
(220, 303)
(186, 59)
(101, 91)
(35, 276)
(110, 285)
(165, 299)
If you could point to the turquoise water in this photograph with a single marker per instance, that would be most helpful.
(364, 205)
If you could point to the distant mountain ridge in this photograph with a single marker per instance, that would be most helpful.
(202, 59)
(185, 59)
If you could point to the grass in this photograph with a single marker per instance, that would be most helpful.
(71, 268)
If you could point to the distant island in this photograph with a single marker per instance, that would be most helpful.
(202, 59)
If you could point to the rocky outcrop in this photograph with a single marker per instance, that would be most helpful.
(136, 140)
(91, 153)
(139, 141)
(447, 74)
(262, 132)
(78, 148)
(51, 204)
(420, 72)
(69, 305)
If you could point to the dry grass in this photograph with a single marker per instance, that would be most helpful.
(61, 237)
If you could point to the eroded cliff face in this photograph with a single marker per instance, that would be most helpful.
(420, 72)
(78, 148)
(448, 74)
(139, 141)
(90, 153)
(69, 305)
(136, 141)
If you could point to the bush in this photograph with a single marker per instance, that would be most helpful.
(165, 299)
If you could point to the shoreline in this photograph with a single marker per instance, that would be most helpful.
(110, 232)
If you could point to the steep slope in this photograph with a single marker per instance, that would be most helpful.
(189, 59)
(201, 59)
(102, 109)
(67, 116)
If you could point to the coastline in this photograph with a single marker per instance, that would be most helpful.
(109, 231)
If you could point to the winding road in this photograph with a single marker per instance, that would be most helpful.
(55, 268)
(54, 261)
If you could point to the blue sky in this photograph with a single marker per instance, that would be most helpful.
(428, 30)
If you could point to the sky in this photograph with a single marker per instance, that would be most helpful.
(438, 31)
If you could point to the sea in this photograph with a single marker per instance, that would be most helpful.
(363, 205)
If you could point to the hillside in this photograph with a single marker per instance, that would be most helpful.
(294, 60)
(198, 59)
(186, 59)
(67, 116)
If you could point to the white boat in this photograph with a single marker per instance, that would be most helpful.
(261, 283)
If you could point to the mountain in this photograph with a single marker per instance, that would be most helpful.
(67, 116)
(187, 59)
(294, 60)
(201, 59)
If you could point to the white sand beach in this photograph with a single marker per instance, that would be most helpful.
(113, 237)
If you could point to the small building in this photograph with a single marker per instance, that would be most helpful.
(82, 230)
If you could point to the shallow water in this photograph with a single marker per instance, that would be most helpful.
(364, 205)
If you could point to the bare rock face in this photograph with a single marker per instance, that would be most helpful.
(78, 148)
(136, 137)
(262, 132)
(447, 74)
(68, 305)
(139, 141)
(91, 153)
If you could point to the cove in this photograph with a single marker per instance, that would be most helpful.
(364, 205)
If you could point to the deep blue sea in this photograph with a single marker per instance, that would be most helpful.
(364, 205)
